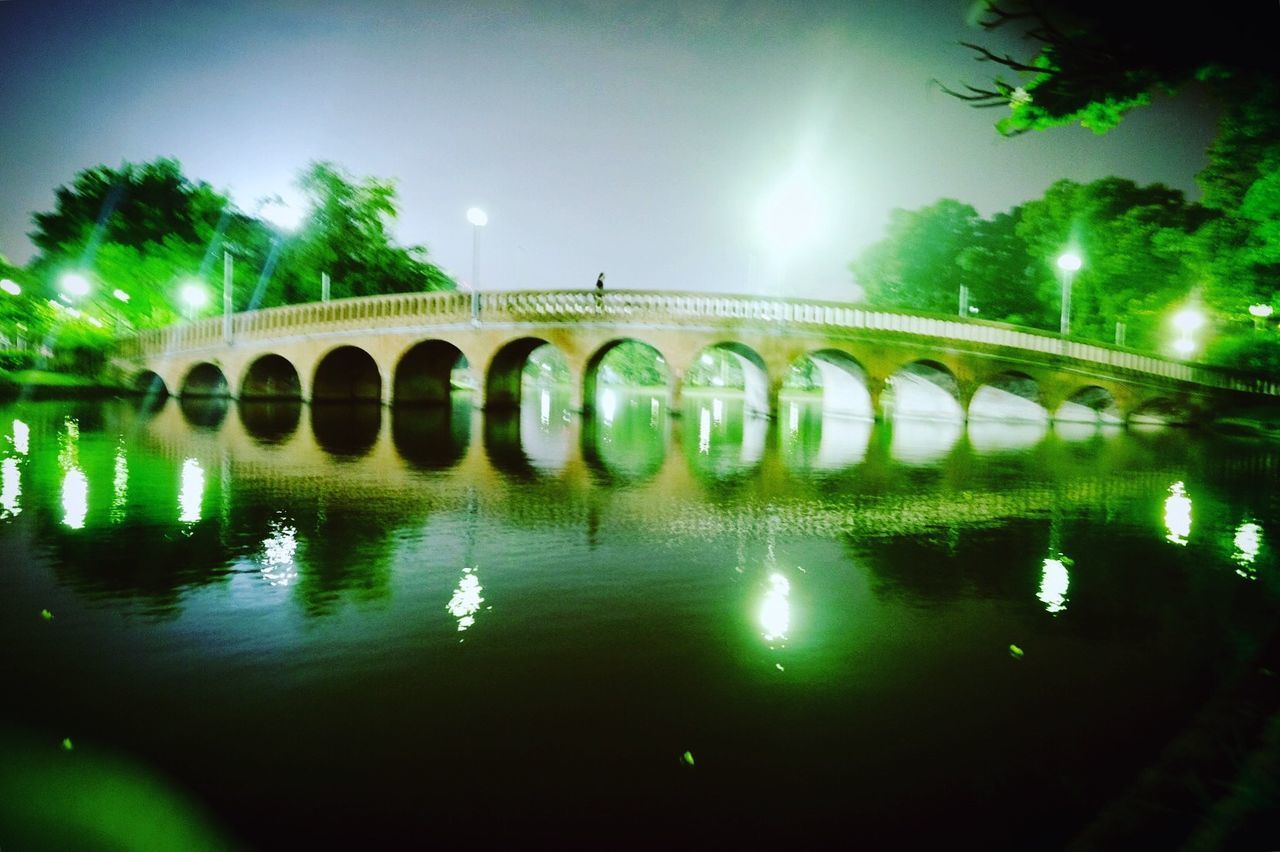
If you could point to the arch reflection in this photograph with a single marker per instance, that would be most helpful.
(346, 428)
(432, 437)
(270, 422)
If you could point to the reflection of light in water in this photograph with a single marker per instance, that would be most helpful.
(717, 411)
(704, 430)
(75, 498)
(278, 549)
(1053, 586)
(654, 408)
(192, 492)
(466, 599)
(10, 488)
(923, 441)
(1248, 542)
(793, 419)
(608, 405)
(544, 407)
(1177, 514)
(989, 436)
(754, 431)
(68, 452)
(21, 436)
(119, 485)
(775, 612)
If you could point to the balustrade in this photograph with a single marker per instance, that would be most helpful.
(651, 308)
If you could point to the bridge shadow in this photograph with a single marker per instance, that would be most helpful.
(206, 413)
(346, 428)
(270, 421)
(432, 437)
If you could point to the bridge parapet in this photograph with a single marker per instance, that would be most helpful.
(659, 309)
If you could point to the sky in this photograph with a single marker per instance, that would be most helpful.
(648, 140)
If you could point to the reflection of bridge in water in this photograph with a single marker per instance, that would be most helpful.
(403, 349)
(449, 461)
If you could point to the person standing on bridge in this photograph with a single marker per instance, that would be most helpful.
(600, 291)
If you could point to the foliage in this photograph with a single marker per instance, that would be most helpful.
(146, 230)
(634, 364)
(1146, 252)
(13, 360)
(1092, 61)
(1256, 351)
(347, 235)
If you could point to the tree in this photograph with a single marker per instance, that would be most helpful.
(916, 266)
(1092, 61)
(347, 235)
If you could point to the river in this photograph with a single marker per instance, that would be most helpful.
(344, 623)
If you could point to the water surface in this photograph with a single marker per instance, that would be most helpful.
(339, 623)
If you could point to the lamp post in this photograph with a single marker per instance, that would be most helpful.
(1187, 321)
(478, 219)
(1068, 263)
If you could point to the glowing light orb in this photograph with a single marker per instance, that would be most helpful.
(1177, 514)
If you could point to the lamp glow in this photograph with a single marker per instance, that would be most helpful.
(791, 215)
(194, 295)
(75, 284)
(477, 217)
(10, 287)
(1260, 311)
(1188, 320)
(120, 294)
(1069, 261)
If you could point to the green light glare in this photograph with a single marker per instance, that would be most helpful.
(1177, 514)
(21, 437)
(192, 492)
(119, 485)
(1054, 582)
(1248, 542)
(10, 488)
(75, 498)
(279, 567)
(466, 599)
(775, 610)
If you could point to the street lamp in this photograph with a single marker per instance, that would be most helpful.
(1187, 321)
(1068, 263)
(120, 295)
(1259, 314)
(478, 219)
(75, 284)
(194, 296)
(10, 287)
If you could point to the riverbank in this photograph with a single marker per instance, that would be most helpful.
(45, 384)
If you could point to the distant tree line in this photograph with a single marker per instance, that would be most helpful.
(140, 233)
(1146, 250)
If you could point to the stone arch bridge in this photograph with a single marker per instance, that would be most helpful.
(400, 349)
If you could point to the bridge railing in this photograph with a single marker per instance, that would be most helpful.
(664, 309)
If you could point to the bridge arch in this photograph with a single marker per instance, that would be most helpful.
(743, 362)
(149, 383)
(504, 377)
(1011, 395)
(271, 376)
(644, 362)
(424, 373)
(1089, 404)
(837, 377)
(1162, 411)
(345, 374)
(205, 379)
(923, 389)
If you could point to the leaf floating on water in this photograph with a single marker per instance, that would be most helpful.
(46, 615)
(67, 745)
(687, 758)
(780, 668)
(1015, 652)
